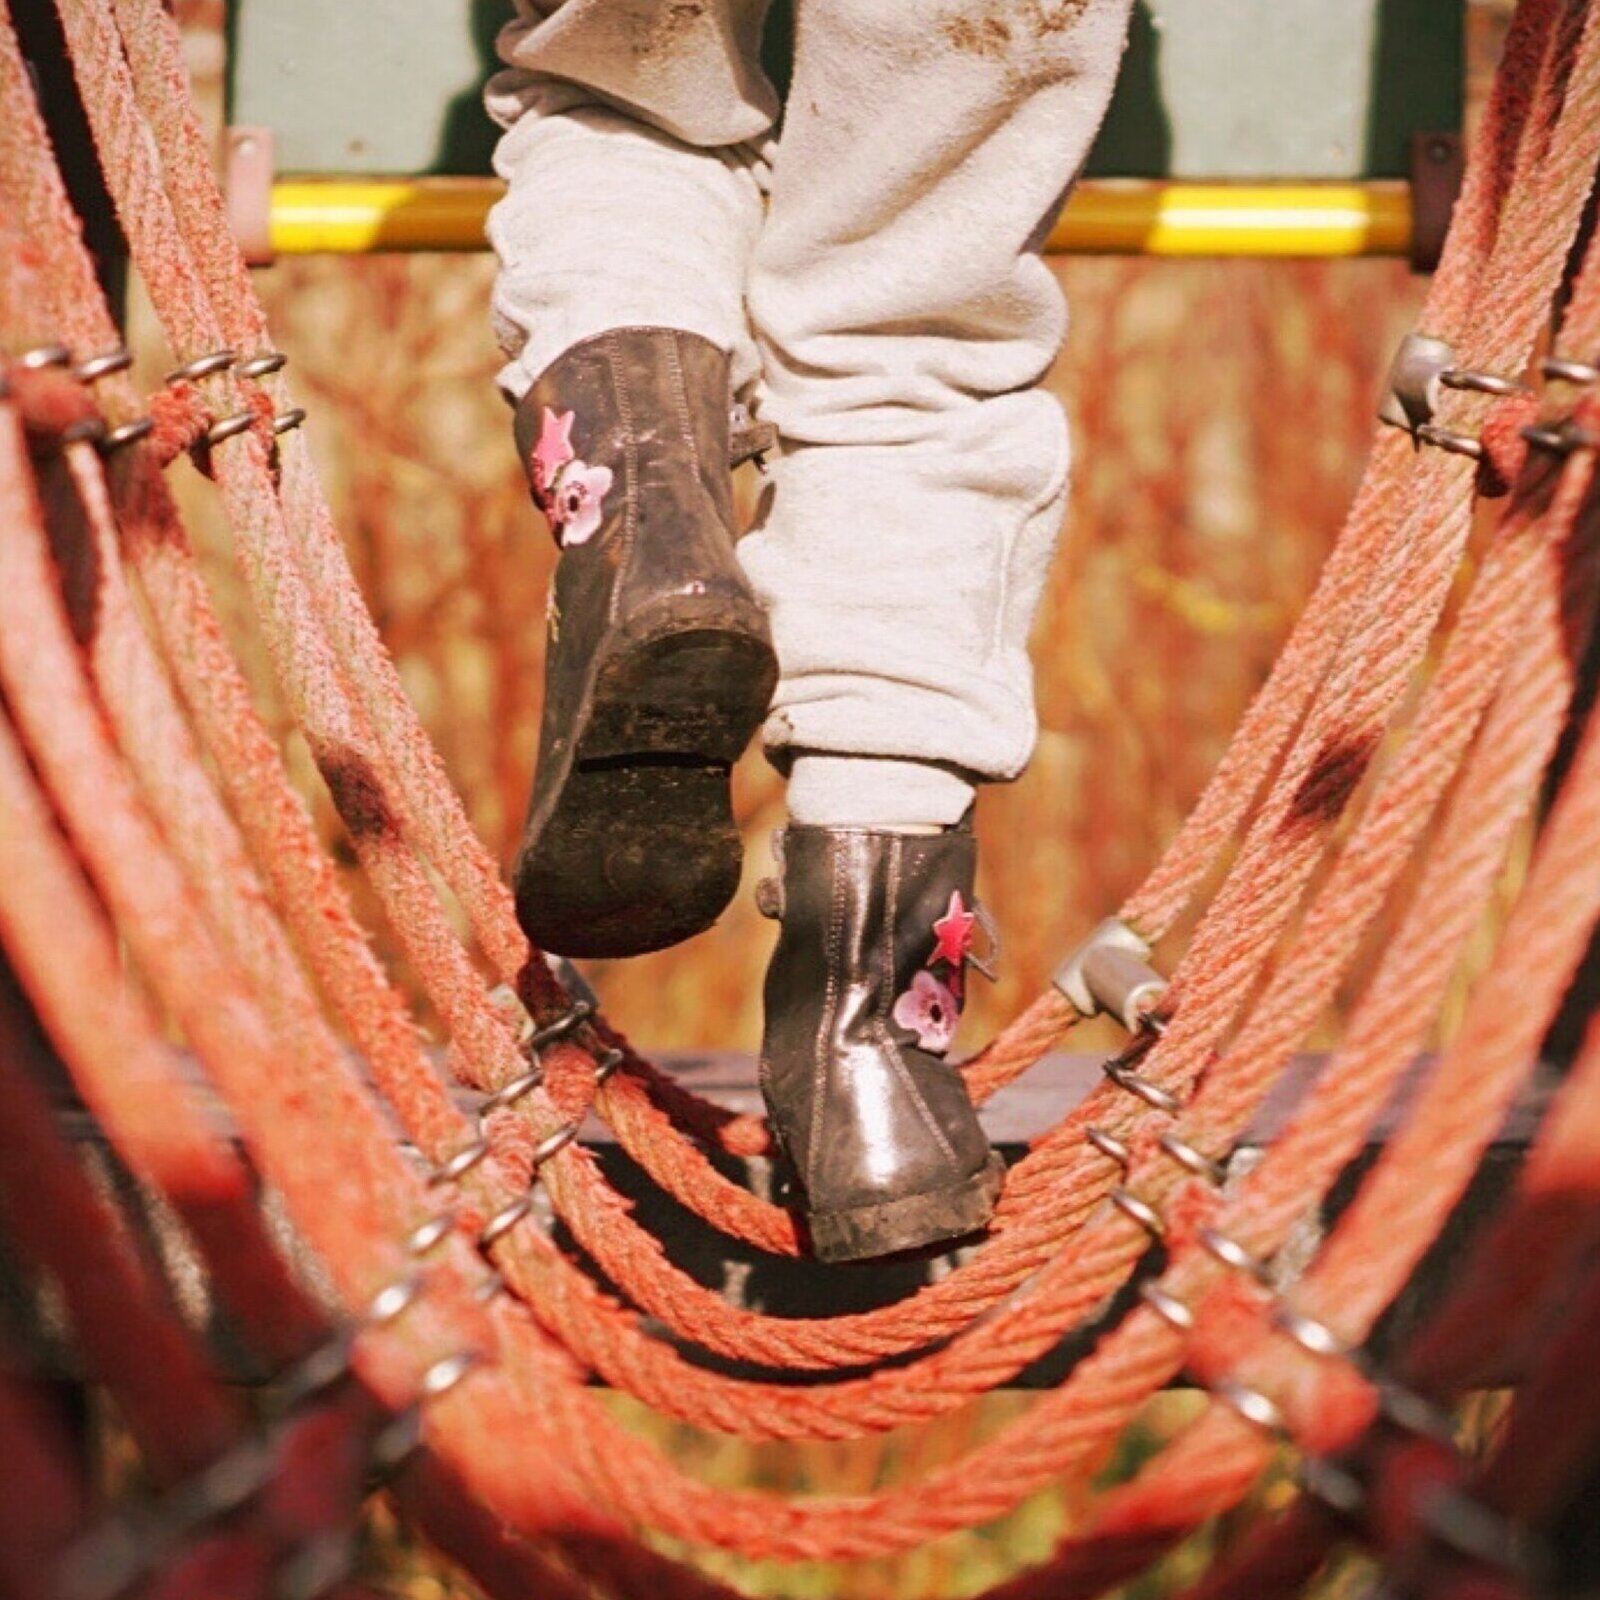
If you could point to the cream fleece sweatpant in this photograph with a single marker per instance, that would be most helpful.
(874, 270)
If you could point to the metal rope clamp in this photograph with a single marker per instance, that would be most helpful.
(1111, 971)
(1416, 377)
(1423, 366)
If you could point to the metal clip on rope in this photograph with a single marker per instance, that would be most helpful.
(1422, 368)
(1482, 382)
(230, 427)
(1452, 1518)
(1257, 1408)
(1109, 1145)
(1120, 1071)
(1457, 444)
(515, 1211)
(580, 1012)
(1225, 1248)
(127, 433)
(125, 1548)
(329, 1363)
(1411, 390)
(1562, 438)
(204, 366)
(1139, 1211)
(1465, 1525)
(1403, 1406)
(1333, 1484)
(207, 366)
(87, 430)
(435, 1229)
(261, 364)
(509, 1093)
(1111, 971)
(429, 1234)
(1167, 1306)
(105, 439)
(399, 1437)
(111, 1558)
(1567, 370)
(1448, 1516)
(514, 1090)
(102, 366)
(531, 1039)
(43, 356)
(1192, 1160)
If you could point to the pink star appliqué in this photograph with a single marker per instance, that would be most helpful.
(554, 449)
(954, 932)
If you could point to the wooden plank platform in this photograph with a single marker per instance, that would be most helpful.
(788, 1288)
(1016, 1115)
(780, 1287)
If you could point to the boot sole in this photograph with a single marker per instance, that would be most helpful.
(917, 1220)
(639, 849)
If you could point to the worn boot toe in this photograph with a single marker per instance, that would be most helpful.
(862, 1000)
(659, 663)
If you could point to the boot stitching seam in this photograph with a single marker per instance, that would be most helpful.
(830, 1008)
(764, 1064)
(886, 988)
(681, 397)
(630, 497)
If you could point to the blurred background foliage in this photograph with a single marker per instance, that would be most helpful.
(1221, 411)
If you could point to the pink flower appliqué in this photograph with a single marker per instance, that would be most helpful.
(570, 492)
(929, 1010)
(578, 501)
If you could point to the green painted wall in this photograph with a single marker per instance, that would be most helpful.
(1210, 88)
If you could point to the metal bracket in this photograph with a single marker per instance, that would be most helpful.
(1111, 971)
(247, 184)
(1416, 375)
(1438, 164)
(572, 980)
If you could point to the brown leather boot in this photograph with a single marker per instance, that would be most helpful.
(862, 999)
(659, 663)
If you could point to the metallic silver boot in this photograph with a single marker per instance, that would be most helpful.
(862, 1000)
(659, 663)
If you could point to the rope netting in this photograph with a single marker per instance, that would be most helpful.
(160, 878)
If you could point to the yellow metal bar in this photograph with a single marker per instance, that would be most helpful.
(1221, 219)
(334, 216)
(313, 216)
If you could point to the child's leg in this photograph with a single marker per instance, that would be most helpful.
(634, 159)
(904, 317)
(624, 242)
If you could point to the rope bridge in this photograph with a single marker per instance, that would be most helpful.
(160, 878)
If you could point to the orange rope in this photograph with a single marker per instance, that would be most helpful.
(221, 891)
